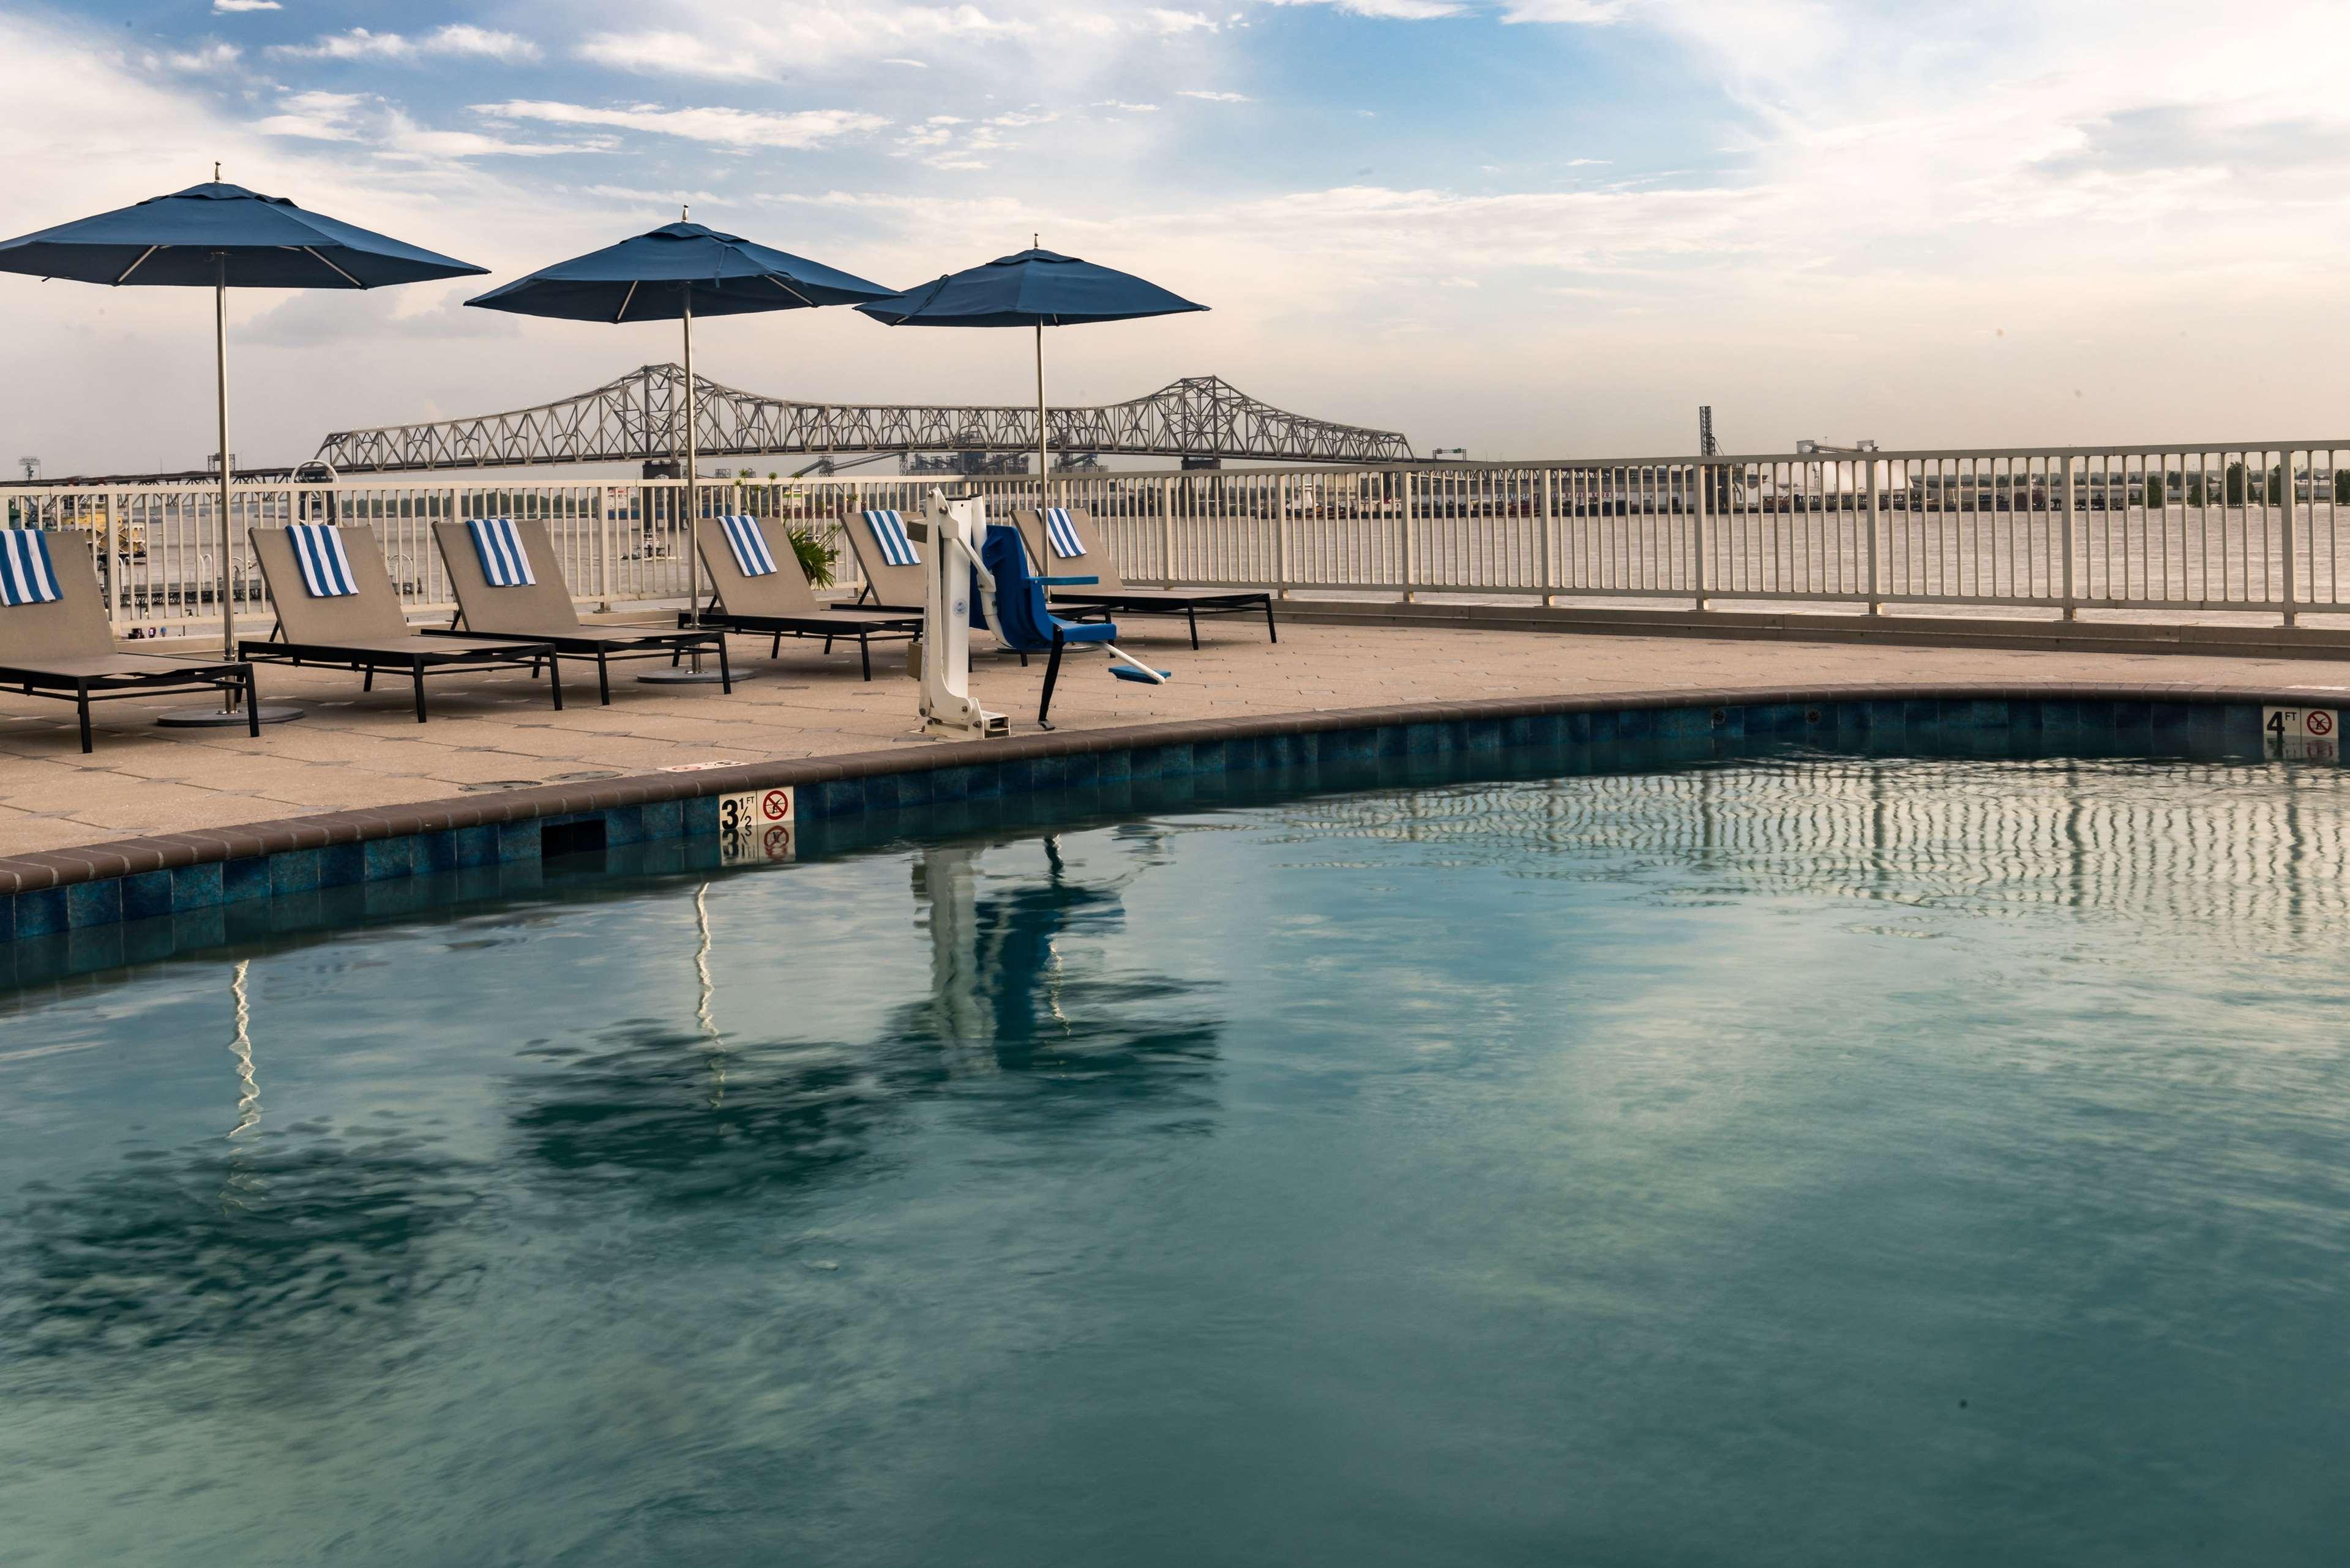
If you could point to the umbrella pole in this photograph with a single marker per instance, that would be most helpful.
(232, 709)
(1044, 455)
(220, 366)
(691, 506)
(693, 501)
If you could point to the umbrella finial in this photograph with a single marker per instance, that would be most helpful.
(215, 171)
(683, 209)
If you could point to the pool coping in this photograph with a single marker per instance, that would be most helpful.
(433, 823)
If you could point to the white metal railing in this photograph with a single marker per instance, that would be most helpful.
(2233, 527)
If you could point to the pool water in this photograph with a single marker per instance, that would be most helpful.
(1794, 1161)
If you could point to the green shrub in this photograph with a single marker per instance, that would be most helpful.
(816, 558)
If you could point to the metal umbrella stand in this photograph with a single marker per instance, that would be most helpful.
(677, 272)
(221, 236)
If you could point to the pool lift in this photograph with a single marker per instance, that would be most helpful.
(959, 592)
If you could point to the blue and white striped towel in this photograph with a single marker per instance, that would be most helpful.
(318, 550)
(1063, 533)
(890, 533)
(25, 577)
(750, 545)
(499, 545)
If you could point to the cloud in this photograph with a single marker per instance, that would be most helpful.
(1176, 22)
(315, 115)
(1585, 13)
(228, 8)
(637, 194)
(936, 131)
(1215, 97)
(196, 59)
(390, 132)
(455, 40)
(315, 318)
(797, 130)
(458, 38)
(753, 42)
(943, 142)
(1128, 108)
(1386, 10)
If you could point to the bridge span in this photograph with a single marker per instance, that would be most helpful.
(640, 417)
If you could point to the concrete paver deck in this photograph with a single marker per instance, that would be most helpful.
(356, 750)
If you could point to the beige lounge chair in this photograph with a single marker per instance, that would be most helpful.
(1111, 595)
(367, 630)
(781, 604)
(886, 587)
(543, 612)
(64, 647)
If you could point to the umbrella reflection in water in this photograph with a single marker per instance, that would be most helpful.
(237, 1188)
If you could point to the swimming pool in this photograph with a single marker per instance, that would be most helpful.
(1796, 1159)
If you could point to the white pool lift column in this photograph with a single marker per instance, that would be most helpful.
(946, 884)
(952, 531)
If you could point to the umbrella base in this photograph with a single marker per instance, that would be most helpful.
(219, 718)
(684, 677)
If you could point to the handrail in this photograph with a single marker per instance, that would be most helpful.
(2169, 528)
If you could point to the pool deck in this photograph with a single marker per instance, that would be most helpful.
(356, 752)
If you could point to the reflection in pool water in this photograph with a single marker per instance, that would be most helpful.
(1807, 1159)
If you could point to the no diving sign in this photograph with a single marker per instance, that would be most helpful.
(2302, 734)
(757, 828)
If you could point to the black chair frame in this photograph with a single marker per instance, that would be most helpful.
(231, 679)
(1081, 607)
(606, 650)
(778, 628)
(424, 660)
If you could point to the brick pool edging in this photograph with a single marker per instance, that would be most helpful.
(54, 891)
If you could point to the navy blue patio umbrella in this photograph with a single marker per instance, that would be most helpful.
(675, 273)
(220, 236)
(1036, 289)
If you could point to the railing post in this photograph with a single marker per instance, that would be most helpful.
(1281, 536)
(1875, 517)
(1549, 545)
(1167, 521)
(1403, 510)
(2285, 534)
(118, 503)
(2072, 610)
(603, 527)
(1704, 511)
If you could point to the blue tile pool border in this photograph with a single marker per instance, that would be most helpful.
(55, 892)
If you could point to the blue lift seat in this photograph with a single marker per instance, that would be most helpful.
(1025, 622)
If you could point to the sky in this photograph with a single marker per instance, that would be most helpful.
(1529, 228)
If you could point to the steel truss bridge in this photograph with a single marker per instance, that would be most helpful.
(639, 418)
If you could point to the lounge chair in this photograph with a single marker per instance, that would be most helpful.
(758, 588)
(335, 607)
(890, 560)
(1024, 622)
(1063, 538)
(531, 603)
(55, 640)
